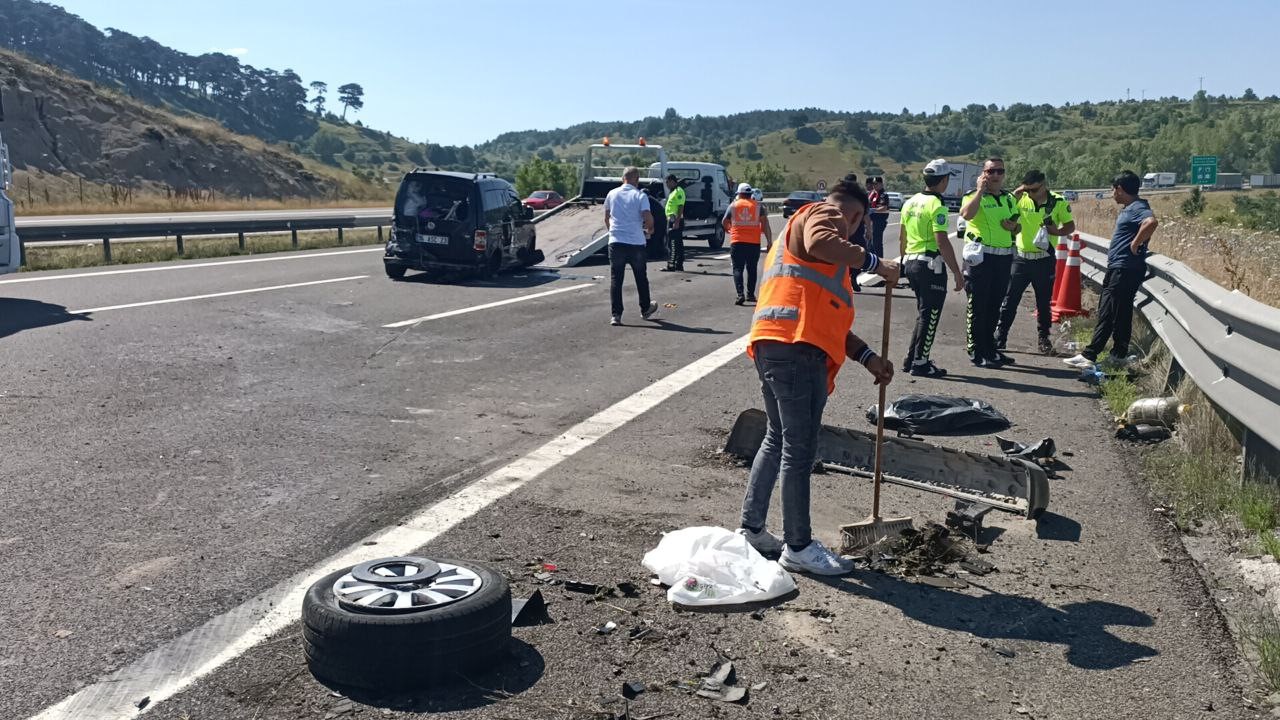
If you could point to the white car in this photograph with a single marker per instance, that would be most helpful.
(895, 200)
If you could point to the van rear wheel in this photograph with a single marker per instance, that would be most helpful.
(716, 241)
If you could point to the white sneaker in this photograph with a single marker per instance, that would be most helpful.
(815, 558)
(651, 311)
(765, 542)
(1079, 361)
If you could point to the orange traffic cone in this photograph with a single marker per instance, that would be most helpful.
(1067, 302)
(1058, 271)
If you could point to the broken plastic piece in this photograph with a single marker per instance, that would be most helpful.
(1046, 448)
(607, 628)
(628, 589)
(632, 689)
(530, 611)
(581, 587)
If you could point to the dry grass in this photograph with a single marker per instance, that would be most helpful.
(1213, 245)
(44, 257)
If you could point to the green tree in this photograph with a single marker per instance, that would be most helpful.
(769, 177)
(539, 174)
(1249, 95)
(326, 143)
(1200, 103)
(351, 96)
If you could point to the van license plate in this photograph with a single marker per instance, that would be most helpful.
(434, 239)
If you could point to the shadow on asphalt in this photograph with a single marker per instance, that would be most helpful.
(1081, 627)
(657, 324)
(17, 314)
(524, 667)
(997, 383)
(1052, 526)
(517, 279)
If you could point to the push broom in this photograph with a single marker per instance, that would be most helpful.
(875, 528)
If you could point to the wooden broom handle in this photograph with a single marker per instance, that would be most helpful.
(884, 353)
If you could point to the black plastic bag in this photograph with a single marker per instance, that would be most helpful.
(935, 414)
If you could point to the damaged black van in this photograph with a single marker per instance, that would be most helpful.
(459, 221)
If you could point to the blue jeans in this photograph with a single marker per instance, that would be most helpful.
(793, 379)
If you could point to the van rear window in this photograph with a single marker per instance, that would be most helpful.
(434, 198)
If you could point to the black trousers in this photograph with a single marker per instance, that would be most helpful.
(879, 221)
(1115, 312)
(985, 284)
(620, 256)
(931, 292)
(675, 245)
(745, 256)
(1039, 275)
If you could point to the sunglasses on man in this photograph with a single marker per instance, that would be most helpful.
(995, 171)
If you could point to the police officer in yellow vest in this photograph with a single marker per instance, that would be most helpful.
(744, 222)
(800, 335)
(992, 216)
(1045, 216)
(927, 253)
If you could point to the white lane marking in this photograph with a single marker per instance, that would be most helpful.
(229, 293)
(486, 306)
(170, 668)
(187, 266)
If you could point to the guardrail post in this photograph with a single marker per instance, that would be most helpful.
(1261, 461)
(339, 236)
(106, 249)
(182, 250)
(240, 241)
(293, 236)
(379, 234)
(22, 253)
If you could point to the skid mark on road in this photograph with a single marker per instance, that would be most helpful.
(170, 668)
(486, 306)
(186, 266)
(189, 298)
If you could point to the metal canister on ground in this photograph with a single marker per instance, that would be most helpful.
(1154, 411)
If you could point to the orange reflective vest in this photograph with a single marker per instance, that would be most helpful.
(744, 226)
(801, 301)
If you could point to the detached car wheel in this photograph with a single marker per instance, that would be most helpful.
(716, 241)
(405, 622)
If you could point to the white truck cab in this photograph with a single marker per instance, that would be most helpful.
(707, 197)
(10, 245)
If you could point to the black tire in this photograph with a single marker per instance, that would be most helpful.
(531, 255)
(716, 241)
(401, 651)
(492, 264)
(395, 272)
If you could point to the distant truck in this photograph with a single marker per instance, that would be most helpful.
(964, 180)
(1159, 180)
(1230, 181)
(1264, 181)
(10, 245)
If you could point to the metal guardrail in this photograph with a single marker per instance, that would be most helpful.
(108, 230)
(1225, 341)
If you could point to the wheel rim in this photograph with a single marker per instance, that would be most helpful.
(391, 595)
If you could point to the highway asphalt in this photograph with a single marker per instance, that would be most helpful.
(208, 430)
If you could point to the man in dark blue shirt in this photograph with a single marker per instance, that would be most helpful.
(1126, 269)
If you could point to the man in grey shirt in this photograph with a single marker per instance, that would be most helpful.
(630, 223)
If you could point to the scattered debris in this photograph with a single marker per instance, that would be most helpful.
(719, 684)
(977, 566)
(1143, 433)
(631, 690)
(607, 628)
(143, 703)
(62, 634)
(530, 611)
(628, 589)
(925, 555)
(545, 577)
(586, 588)
(1042, 450)
(670, 306)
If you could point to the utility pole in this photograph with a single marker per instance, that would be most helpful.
(1144, 94)
(1127, 98)
(1201, 83)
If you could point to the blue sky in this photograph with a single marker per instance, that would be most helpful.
(462, 72)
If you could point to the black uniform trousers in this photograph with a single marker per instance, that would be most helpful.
(1115, 311)
(985, 285)
(1038, 274)
(931, 292)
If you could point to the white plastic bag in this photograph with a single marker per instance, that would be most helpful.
(1042, 240)
(714, 566)
(972, 252)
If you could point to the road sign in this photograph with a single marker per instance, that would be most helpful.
(1204, 170)
(822, 185)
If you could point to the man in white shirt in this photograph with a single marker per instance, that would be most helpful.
(630, 223)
